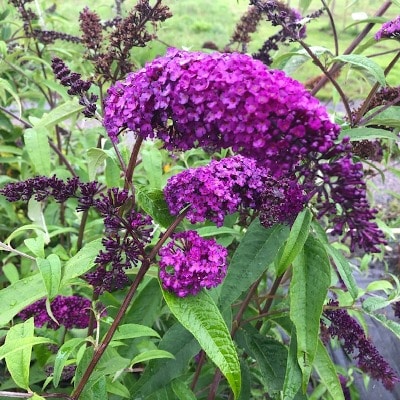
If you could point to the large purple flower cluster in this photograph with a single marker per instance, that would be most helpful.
(215, 190)
(389, 30)
(69, 311)
(352, 335)
(190, 263)
(217, 100)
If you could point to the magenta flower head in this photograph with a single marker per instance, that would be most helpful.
(389, 30)
(69, 311)
(190, 263)
(193, 99)
(215, 190)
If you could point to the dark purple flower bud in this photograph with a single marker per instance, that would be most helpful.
(190, 263)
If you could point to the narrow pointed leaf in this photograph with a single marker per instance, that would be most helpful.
(365, 133)
(308, 290)
(16, 345)
(255, 253)
(293, 376)
(387, 323)
(344, 270)
(327, 372)
(297, 237)
(59, 114)
(95, 158)
(182, 391)
(200, 316)
(151, 355)
(19, 295)
(130, 331)
(38, 148)
(18, 362)
(50, 269)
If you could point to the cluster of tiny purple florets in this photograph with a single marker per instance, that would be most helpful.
(69, 311)
(215, 190)
(191, 99)
(389, 30)
(190, 263)
(352, 335)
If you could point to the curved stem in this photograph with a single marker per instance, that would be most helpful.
(121, 312)
(329, 76)
(132, 162)
(337, 66)
(374, 89)
(332, 22)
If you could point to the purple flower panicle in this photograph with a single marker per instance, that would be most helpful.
(215, 190)
(389, 30)
(69, 311)
(350, 332)
(190, 263)
(193, 99)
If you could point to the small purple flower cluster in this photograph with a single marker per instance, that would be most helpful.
(215, 190)
(124, 243)
(77, 86)
(389, 30)
(190, 263)
(219, 101)
(69, 311)
(350, 332)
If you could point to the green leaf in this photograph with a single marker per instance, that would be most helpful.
(255, 253)
(10, 271)
(327, 372)
(297, 237)
(367, 134)
(81, 262)
(153, 203)
(308, 290)
(18, 363)
(19, 295)
(293, 376)
(380, 284)
(200, 315)
(59, 114)
(344, 270)
(387, 323)
(375, 303)
(130, 331)
(5, 86)
(95, 158)
(151, 355)
(62, 356)
(364, 63)
(36, 245)
(270, 355)
(152, 164)
(212, 231)
(159, 373)
(38, 148)
(14, 346)
(182, 391)
(50, 269)
(245, 393)
(389, 117)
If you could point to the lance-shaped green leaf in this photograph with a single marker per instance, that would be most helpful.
(62, 356)
(19, 295)
(38, 148)
(50, 269)
(81, 262)
(95, 158)
(365, 133)
(159, 373)
(327, 372)
(131, 331)
(151, 355)
(344, 270)
(200, 316)
(297, 237)
(255, 253)
(18, 362)
(363, 62)
(17, 345)
(61, 113)
(182, 391)
(387, 323)
(308, 290)
(152, 201)
(270, 355)
(293, 375)
(389, 117)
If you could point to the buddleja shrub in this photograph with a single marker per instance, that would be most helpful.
(182, 238)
